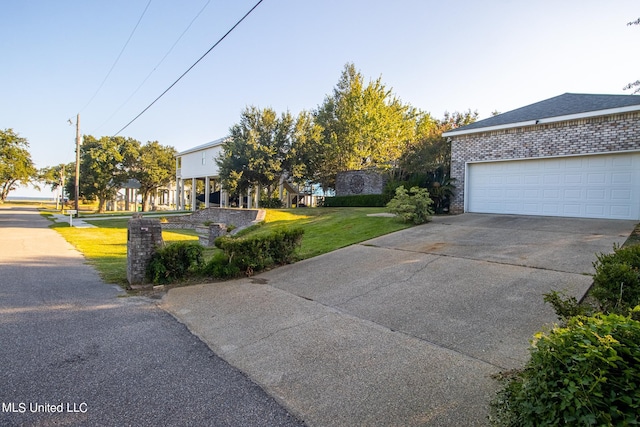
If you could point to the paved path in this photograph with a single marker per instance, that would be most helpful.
(68, 339)
(405, 329)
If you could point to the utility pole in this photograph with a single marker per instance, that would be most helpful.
(77, 164)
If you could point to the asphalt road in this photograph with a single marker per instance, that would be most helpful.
(76, 351)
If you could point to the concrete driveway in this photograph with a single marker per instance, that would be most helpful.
(405, 329)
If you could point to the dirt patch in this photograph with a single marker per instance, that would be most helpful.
(433, 247)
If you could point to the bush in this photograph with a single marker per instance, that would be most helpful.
(566, 306)
(584, 374)
(356, 201)
(174, 261)
(273, 203)
(219, 267)
(616, 284)
(256, 253)
(412, 206)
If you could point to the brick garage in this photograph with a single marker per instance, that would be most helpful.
(574, 155)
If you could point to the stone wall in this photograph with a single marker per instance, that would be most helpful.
(608, 134)
(351, 183)
(239, 218)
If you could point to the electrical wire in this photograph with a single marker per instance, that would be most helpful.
(154, 68)
(191, 67)
(117, 59)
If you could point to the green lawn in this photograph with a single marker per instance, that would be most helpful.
(326, 229)
(105, 247)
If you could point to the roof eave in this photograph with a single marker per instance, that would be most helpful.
(208, 145)
(556, 119)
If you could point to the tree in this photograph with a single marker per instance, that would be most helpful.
(16, 166)
(303, 161)
(431, 151)
(154, 168)
(635, 84)
(255, 152)
(364, 126)
(105, 164)
(57, 176)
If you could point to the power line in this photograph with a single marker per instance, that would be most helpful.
(118, 58)
(156, 67)
(189, 69)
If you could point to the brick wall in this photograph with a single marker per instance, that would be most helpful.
(619, 132)
(144, 236)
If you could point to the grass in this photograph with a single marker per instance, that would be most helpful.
(634, 238)
(326, 229)
(105, 247)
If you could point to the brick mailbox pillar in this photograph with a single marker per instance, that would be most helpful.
(143, 237)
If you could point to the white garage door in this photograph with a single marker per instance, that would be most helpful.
(598, 186)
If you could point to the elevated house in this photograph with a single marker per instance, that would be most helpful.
(199, 164)
(198, 181)
(574, 155)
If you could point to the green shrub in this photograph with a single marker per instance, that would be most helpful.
(273, 202)
(566, 306)
(174, 261)
(219, 267)
(412, 206)
(584, 374)
(616, 284)
(359, 200)
(256, 253)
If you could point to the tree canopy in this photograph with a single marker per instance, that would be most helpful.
(106, 164)
(16, 166)
(153, 168)
(358, 126)
(363, 126)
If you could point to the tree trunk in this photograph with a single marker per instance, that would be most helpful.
(101, 202)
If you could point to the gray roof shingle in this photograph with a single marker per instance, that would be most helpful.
(562, 105)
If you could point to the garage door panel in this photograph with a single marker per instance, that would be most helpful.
(574, 178)
(572, 193)
(571, 210)
(596, 178)
(621, 194)
(622, 178)
(598, 186)
(620, 211)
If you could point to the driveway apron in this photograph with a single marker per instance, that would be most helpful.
(77, 352)
(406, 329)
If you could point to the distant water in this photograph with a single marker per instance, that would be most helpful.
(30, 199)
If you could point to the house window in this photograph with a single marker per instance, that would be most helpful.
(204, 157)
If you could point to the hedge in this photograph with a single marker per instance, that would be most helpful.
(255, 253)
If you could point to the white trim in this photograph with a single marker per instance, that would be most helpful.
(556, 119)
(203, 146)
(559, 156)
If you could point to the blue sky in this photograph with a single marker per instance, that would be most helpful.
(288, 54)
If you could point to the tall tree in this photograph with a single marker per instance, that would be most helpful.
(255, 152)
(303, 161)
(154, 168)
(363, 126)
(16, 166)
(105, 164)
